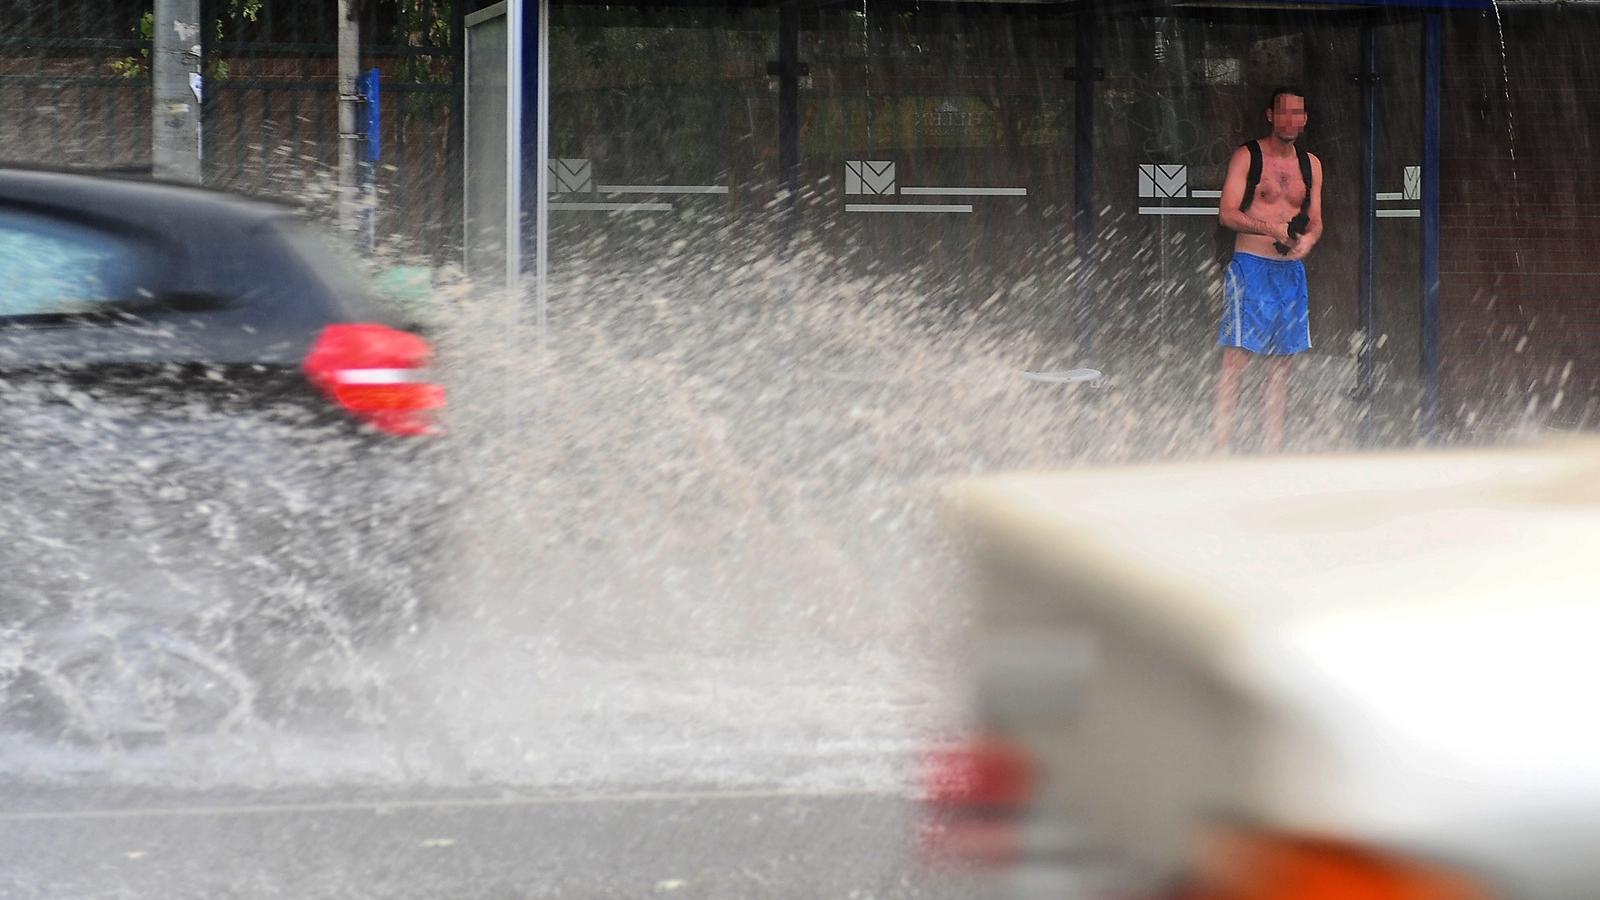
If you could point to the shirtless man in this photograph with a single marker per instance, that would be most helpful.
(1264, 288)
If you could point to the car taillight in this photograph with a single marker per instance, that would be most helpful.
(377, 374)
(981, 775)
(976, 796)
(1255, 865)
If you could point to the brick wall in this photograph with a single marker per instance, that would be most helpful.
(1520, 288)
(273, 133)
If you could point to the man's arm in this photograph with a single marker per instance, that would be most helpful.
(1233, 194)
(1313, 232)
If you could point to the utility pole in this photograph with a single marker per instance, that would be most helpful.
(349, 114)
(175, 73)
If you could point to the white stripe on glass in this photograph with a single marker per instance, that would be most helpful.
(964, 192)
(613, 207)
(663, 189)
(909, 207)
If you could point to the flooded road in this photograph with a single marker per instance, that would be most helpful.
(670, 843)
(696, 617)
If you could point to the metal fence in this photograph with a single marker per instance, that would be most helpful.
(64, 94)
(75, 91)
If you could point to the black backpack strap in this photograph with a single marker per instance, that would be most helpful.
(1254, 178)
(1305, 175)
(1302, 221)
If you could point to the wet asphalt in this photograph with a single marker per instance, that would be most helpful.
(76, 843)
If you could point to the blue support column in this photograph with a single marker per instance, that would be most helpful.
(1084, 224)
(1432, 69)
(529, 126)
(1367, 278)
(368, 86)
(531, 30)
(1368, 231)
(789, 70)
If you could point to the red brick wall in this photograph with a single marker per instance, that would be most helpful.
(274, 143)
(1520, 287)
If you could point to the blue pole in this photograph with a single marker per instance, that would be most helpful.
(532, 165)
(1369, 214)
(1432, 70)
(788, 72)
(1083, 181)
(371, 131)
(372, 117)
(529, 34)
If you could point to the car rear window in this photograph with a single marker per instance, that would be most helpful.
(337, 267)
(53, 266)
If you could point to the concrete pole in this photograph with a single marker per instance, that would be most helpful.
(175, 74)
(349, 114)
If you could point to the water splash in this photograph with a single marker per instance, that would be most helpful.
(693, 535)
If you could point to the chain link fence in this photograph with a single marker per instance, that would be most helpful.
(64, 92)
(75, 90)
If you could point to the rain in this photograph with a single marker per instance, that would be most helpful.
(705, 574)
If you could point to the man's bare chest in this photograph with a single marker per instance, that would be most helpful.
(1281, 184)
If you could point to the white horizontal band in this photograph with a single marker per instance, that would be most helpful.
(1177, 210)
(909, 207)
(613, 207)
(662, 189)
(964, 192)
(379, 376)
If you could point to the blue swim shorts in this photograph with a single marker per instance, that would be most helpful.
(1264, 306)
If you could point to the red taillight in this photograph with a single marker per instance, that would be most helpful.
(982, 775)
(976, 797)
(377, 374)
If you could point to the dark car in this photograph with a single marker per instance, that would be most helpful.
(220, 493)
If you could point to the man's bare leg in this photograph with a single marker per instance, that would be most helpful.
(1277, 400)
(1234, 362)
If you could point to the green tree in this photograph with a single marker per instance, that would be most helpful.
(139, 66)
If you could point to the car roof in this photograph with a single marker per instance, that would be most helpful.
(121, 196)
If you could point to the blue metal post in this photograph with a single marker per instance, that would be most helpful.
(531, 113)
(372, 151)
(1083, 181)
(1432, 69)
(372, 116)
(1367, 278)
(788, 72)
(533, 130)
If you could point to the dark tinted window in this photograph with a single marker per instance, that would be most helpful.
(49, 266)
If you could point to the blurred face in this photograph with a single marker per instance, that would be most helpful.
(1288, 117)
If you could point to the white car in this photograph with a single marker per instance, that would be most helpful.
(1354, 677)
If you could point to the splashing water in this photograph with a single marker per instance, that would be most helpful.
(694, 534)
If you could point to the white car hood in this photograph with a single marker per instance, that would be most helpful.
(1421, 631)
(1469, 735)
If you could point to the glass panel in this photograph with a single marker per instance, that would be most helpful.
(1397, 347)
(1182, 92)
(663, 128)
(486, 151)
(936, 143)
